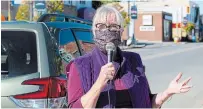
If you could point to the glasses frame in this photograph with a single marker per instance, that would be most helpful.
(107, 26)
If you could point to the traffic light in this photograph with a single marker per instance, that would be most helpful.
(188, 10)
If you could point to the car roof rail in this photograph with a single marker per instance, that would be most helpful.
(14, 21)
(62, 18)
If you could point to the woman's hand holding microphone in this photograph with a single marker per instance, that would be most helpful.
(107, 73)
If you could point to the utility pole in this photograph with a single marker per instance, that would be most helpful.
(181, 21)
(31, 9)
(9, 10)
(128, 9)
(128, 27)
(177, 24)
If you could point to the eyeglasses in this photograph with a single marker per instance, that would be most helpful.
(112, 27)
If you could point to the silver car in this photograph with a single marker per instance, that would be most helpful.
(33, 71)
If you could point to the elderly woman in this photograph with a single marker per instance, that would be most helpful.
(88, 85)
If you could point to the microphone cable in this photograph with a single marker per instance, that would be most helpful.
(109, 98)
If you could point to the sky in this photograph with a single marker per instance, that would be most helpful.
(200, 3)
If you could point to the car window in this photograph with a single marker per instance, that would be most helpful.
(85, 38)
(19, 53)
(56, 64)
(66, 49)
(68, 44)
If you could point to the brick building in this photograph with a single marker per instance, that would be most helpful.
(153, 26)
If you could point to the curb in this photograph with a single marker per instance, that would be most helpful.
(133, 46)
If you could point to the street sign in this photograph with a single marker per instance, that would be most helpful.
(40, 5)
(147, 28)
(147, 20)
(134, 12)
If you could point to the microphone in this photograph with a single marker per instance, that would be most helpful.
(110, 47)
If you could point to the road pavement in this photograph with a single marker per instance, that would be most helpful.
(163, 63)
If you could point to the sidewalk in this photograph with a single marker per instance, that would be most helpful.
(165, 44)
(147, 44)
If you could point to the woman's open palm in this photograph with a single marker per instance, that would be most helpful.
(179, 87)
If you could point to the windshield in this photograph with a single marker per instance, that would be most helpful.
(18, 53)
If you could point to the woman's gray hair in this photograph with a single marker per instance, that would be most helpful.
(101, 14)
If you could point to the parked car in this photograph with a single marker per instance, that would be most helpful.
(62, 18)
(34, 59)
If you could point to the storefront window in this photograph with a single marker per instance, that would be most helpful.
(167, 30)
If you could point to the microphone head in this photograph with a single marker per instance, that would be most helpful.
(110, 46)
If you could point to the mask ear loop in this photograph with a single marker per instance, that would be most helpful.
(121, 33)
(121, 30)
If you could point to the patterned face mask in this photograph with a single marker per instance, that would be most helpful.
(103, 37)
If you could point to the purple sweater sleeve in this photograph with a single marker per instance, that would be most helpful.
(75, 91)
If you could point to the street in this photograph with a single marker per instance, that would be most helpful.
(46, 70)
(164, 61)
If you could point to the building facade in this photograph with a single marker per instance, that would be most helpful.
(78, 3)
(183, 11)
(83, 8)
(153, 26)
(71, 7)
(5, 6)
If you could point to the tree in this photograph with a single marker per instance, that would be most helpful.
(109, 1)
(96, 4)
(189, 27)
(55, 6)
(23, 12)
(36, 17)
(115, 3)
(126, 18)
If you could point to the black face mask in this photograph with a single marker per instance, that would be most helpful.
(103, 37)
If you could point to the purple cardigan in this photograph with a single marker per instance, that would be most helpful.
(75, 88)
(85, 70)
